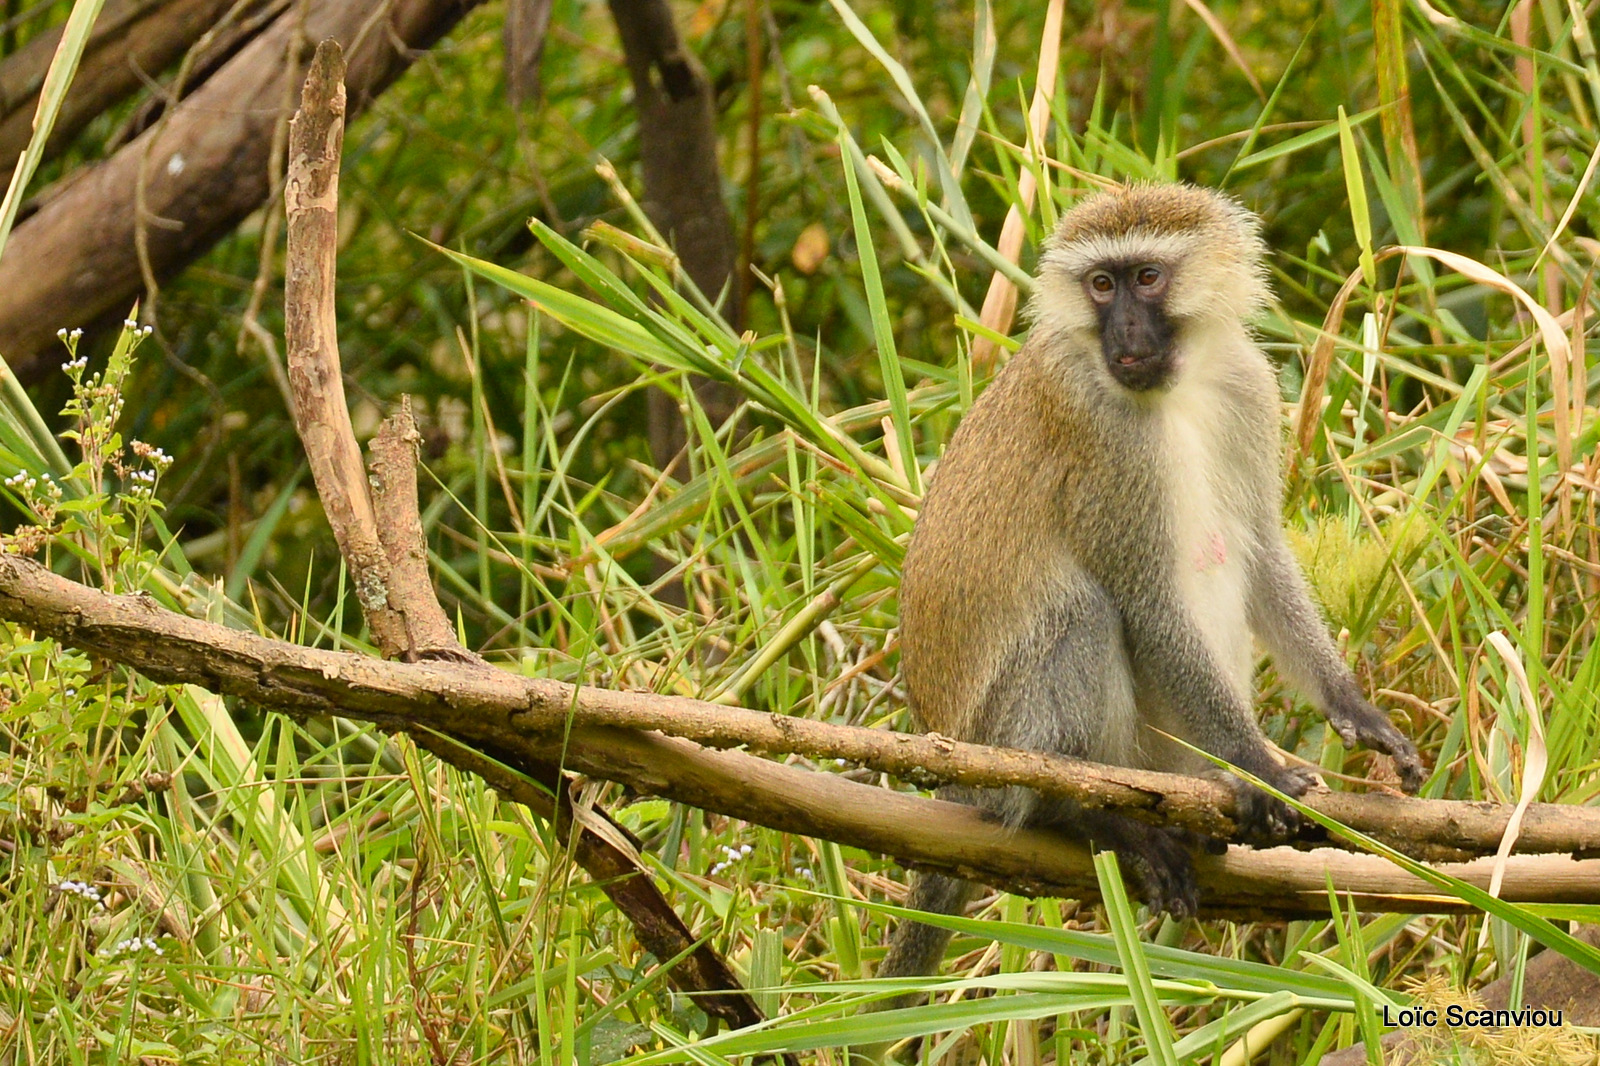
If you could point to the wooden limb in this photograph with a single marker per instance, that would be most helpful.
(393, 462)
(477, 707)
(311, 338)
(379, 531)
(608, 854)
(601, 847)
(1429, 829)
(76, 259)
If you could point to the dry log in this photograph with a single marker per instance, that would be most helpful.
(205, 169)
(478, 707)
(133, 41)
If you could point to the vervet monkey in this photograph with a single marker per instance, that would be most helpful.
(1102, 539)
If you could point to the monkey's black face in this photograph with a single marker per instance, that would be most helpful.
(1136, 336)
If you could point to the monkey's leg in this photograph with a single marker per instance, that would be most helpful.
(917, 949)
(1288, 624)
(1078, 698)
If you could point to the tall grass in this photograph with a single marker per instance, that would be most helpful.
(322, 892)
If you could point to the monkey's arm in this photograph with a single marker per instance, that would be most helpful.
(1291, 628)
(1171, 661)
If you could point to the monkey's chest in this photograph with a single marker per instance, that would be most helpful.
(1210, 544)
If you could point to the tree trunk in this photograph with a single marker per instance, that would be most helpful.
(682, 185)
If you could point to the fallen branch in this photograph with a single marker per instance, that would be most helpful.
(1427, 829)
(481, 707)
(132, 41)
(498, 706)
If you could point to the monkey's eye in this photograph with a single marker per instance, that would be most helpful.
(1148, 276)
(1100, 281)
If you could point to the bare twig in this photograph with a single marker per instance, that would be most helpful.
(379, 531)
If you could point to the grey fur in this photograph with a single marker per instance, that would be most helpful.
(1049, 593)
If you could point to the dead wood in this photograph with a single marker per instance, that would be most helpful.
(482, 708)
(133, 41)
(379, 530)
(609, 854)
(243, 23)
(321, 415)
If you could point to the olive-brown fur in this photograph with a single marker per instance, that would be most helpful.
(1093, 563)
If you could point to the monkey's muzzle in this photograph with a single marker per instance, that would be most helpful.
(1139, 367)
(1136, 338)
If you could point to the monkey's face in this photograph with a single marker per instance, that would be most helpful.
(1135, 271)
(1136, 333)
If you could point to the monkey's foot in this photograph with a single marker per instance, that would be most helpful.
(1157, 861)
(1360, 723)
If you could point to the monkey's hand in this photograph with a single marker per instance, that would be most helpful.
(1359, 722)
(1262, 818)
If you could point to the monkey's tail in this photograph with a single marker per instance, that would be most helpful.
(916, 950)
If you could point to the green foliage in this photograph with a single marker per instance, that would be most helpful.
(321, 892)
(1353, 570)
